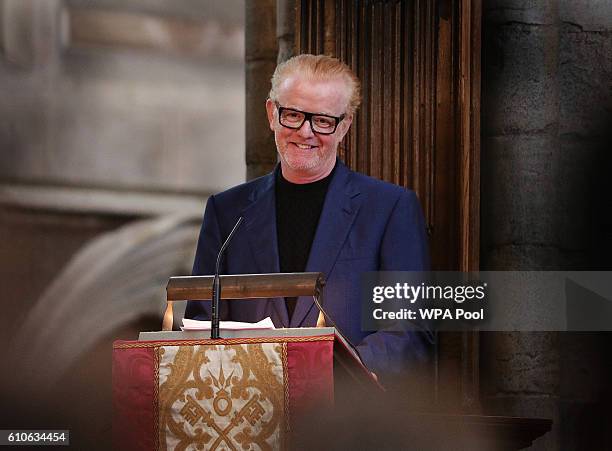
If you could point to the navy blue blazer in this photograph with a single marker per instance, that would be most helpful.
(365, 225)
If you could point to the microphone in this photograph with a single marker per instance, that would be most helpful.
(216, 288)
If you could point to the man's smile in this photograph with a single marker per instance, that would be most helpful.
(304, 146)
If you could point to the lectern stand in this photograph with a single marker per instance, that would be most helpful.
(247, 390)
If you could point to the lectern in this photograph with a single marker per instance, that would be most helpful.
(246, 390)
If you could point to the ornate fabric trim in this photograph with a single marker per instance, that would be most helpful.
(286, 395)
(156, 355)
(244, 396)
(216, 396)
(223, 341)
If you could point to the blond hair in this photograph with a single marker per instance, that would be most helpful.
(318, 67)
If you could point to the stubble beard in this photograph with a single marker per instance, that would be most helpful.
(300, 162)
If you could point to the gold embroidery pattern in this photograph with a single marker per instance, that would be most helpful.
(286, 385)
(223, 341)
(222, 397)
(156, 355)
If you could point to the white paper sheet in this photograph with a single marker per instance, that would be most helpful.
(193, 324)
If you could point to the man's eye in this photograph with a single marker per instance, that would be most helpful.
(292, 116)
(323, 122)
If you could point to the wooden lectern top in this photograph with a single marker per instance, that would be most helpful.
(245, 286)
(241, 286)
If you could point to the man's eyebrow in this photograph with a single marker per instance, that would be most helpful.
(311, 112)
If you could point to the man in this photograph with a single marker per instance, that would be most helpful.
(314, 214)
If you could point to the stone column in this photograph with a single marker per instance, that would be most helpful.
(261, 51)
(585, 209)
(520, 131)
(520, 154)
(285, 29)
(30, 32)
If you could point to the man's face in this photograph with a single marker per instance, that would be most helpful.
(307, 156)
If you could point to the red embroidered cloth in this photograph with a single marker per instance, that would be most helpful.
(209, 394)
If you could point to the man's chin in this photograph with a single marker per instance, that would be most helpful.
(306, 165)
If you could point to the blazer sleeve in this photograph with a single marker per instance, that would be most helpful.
(209, 244)
(403, 248)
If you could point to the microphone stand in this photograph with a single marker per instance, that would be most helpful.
(216, 288)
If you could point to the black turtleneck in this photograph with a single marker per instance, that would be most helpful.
(298, 208)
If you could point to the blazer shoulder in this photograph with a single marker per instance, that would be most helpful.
(378, 188)
(244, 193)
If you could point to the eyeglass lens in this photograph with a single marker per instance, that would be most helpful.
(295, 119)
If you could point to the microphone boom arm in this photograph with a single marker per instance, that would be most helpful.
(216, 288)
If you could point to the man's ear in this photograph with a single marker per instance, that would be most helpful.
(345, 125)
(270, 108)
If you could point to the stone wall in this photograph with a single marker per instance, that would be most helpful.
(270, 31)
(118, 118)
(546, 121)
(121, 98)
(260, 59)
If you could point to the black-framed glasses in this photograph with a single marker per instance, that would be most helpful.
(319, 123)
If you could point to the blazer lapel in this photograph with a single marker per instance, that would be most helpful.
(340, 208)
(260, 223)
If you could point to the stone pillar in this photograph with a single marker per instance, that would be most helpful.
(31, 32)
(585, 132)
(547, 201)
(285, 29)
(585, 140)
(520, 134)
(260, 60)
(520, 154)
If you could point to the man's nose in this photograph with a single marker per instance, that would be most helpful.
(306, 129)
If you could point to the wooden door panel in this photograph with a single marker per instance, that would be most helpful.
(418, 127)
